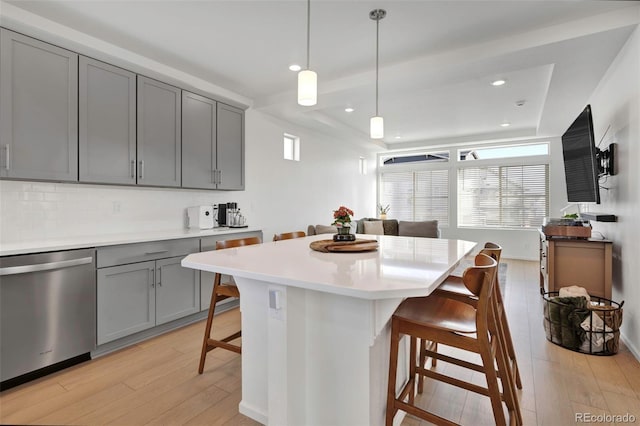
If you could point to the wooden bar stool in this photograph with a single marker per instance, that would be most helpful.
(460, 325)
(289, 235)
(222, 291)
(454, 288)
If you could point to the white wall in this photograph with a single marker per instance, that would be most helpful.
(280, 195)
(616, 103)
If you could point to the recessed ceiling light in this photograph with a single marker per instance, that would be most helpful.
(295, 67)
(498, 82)
(349, 109)
(506, 124)
(398, 137)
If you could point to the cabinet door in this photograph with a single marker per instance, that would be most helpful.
(159, 133)
(126, 300)
(38, 110)
(230, 147)
(107, 123)
(198, 141)
(177, 290)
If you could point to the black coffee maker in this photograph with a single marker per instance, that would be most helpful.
(224, 209)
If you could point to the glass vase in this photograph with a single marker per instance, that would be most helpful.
(344, 234)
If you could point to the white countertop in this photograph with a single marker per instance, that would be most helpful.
(7, 249)
(401, 267)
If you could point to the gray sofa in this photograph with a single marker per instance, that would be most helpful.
(427, 228)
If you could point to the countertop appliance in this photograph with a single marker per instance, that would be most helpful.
(200, 217)
(229, 215)
(48, 313)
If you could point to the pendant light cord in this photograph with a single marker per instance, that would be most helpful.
(377, 49)
(308, 30)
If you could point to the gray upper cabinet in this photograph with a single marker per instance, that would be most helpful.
(38, 110)
(159, 133)
(230, 147)
(107, 123)
(198, 141)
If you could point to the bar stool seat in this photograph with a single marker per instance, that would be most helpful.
(439, 312)
(289, 235)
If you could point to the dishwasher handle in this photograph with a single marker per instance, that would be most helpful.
(25, 269)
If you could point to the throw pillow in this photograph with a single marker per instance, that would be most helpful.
(373, 227)
(324, 229)
(427, 228)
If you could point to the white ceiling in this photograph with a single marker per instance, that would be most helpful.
(437, 58)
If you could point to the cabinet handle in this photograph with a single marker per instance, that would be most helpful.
(141, 169)
(219, 177)
(7, 158)
(148, 253)
(133, 166)
(213, 177)
(160, 277)
(153, 278)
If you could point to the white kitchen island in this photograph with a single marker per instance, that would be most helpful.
(315, 326)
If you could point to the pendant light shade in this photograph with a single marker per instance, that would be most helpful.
(307, 79)
(376, 128)
(307, 88)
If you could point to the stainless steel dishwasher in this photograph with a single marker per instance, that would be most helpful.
(47, 313)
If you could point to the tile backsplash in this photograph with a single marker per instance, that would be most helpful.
(32, 211)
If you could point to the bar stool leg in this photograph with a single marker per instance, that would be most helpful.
(393, 366)
(207, 330)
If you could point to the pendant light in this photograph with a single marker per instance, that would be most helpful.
(376, 128)
(307, 79)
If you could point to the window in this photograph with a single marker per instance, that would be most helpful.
(416, 195)
(291, 147)
(362, 166)
(415, 158)
(503, 196)
(511, 151)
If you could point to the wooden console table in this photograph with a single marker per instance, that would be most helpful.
(575, 261)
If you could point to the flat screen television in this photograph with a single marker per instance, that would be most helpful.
(581, 160)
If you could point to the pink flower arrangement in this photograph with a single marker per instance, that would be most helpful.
(342, 216)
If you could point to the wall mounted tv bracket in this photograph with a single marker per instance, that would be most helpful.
(606, 160)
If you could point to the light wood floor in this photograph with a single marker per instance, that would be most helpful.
(156, 382)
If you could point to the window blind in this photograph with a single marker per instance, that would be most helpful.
(416, 195)
(503, 196)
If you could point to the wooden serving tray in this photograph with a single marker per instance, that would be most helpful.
(330, 246)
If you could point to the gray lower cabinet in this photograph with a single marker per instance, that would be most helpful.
(177, 290)
(126, 300)
(159, 133)
(140, 286)
(38, 109)
(230, 147)
(107, 123)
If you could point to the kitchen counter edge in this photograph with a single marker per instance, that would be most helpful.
(29, 247)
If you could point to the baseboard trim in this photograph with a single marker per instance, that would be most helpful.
(634, 351)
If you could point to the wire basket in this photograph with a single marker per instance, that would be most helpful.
(582, 326)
